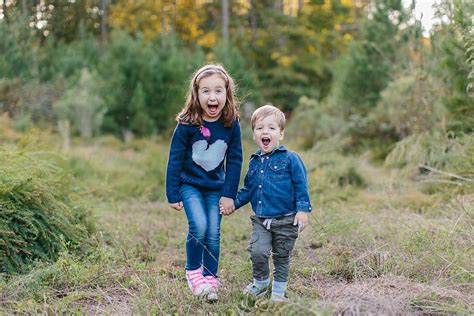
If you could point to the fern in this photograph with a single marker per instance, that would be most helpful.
(39, 215)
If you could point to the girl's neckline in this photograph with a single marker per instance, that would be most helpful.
(211, 122)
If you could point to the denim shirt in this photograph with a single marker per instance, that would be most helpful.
(275, 184)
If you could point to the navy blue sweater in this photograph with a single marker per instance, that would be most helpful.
(196, 161)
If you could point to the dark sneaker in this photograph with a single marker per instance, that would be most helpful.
(254, 290)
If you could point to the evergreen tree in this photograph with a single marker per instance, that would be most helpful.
(141, 123)
(18, 57)
(453, 62)
(371, 61)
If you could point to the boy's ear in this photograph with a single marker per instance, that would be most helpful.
(282, 134)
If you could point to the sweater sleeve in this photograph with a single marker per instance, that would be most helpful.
(243, 196)
(300, 183)
(174, 166)
(233, 163)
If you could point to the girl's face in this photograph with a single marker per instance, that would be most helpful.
(212, 97)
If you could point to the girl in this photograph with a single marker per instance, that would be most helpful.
(207, 133)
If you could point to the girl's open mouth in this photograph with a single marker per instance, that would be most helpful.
(265, 141)
(212, 108)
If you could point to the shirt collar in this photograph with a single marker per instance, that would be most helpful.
(258, 153)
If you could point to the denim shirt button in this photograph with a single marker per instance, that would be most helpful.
(259, 185)
(259, 202)
(261, 171)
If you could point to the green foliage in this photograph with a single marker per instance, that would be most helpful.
(364, 74)
(82, 106)
(162, 67)
(368, 67)
(141, 123)
(407, 106)
(39, 213)
(453, 62)
(435, 149)
(80, 16)
(9, 95)
(442, 160)
(59, 60)
(18, 56)
(319, 121)
(291, 54)
(241, 70)
(29, 100)
(134, 170)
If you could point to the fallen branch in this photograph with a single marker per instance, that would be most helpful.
(449, 174)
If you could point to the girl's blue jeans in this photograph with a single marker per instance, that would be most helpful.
(204, 221)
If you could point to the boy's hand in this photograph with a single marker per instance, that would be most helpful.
(177, 206)
(226, 205)
(301, 219)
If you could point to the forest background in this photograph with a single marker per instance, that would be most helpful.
(381, 110)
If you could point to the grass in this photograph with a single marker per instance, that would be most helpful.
(379, 242)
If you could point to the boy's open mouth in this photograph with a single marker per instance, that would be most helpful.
(265, 141)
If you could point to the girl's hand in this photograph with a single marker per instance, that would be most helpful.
(226, 205)
(301, 219)
(177, 206)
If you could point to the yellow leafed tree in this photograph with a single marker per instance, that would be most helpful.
(151, 17)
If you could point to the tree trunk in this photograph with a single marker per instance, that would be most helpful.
(253, 16)
(4, 8)
(225, 22)
(103, 26)
(300, 6)
(24, 8)
(64, 128)
(278, 5)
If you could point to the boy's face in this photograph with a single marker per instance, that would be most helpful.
(267, 133)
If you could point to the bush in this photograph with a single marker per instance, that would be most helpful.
(318, 120)
(407, 106)
(39, 215)
(439, 158)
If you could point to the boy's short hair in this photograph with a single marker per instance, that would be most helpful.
(265, 111)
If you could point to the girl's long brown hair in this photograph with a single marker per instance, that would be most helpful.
(192, 111)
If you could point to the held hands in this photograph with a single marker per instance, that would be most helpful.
(301, 219)
(177, 206)
(226, 205)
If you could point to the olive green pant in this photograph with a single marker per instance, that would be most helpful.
(274, 238)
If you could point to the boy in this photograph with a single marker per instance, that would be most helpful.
(276, 185)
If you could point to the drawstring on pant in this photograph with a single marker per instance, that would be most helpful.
(268, 223)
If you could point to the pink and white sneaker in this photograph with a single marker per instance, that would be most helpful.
(214, 284)
(197, 283)
(212, 280)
